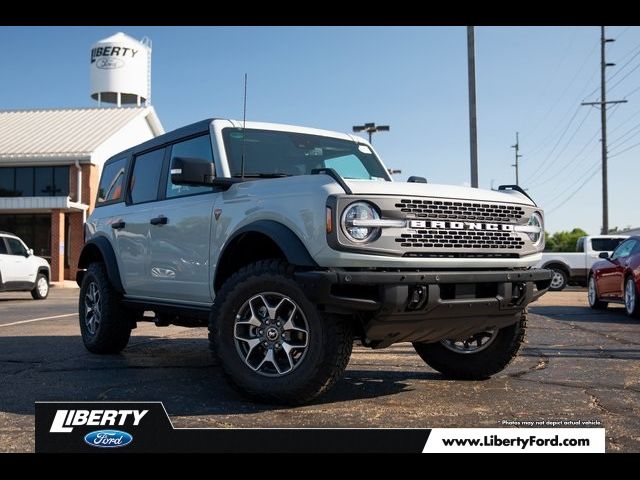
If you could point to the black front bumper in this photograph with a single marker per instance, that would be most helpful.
(426, 306)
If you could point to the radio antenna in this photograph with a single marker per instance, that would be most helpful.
(244, 124)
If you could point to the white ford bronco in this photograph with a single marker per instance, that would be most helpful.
(289, 243)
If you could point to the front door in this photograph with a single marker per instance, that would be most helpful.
(610, 277)
(180, 233)
(15, 264)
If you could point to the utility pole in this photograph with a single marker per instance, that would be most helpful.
(603, 120)
(518, 156)
(371, 128)
(473, 127)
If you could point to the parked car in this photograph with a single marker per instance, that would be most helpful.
(616, 278)
(571, 268)
(288, 242)
(21, 270)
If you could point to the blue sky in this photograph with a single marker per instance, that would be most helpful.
(529, 79)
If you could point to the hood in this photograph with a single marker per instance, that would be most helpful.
(366, 187)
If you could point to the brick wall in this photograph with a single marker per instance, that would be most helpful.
(57, 239)
(76, 234)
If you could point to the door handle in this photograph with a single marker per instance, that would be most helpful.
(161, 220)
(118, 225)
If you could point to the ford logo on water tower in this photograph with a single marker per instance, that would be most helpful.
(108, 438)
(120, 70)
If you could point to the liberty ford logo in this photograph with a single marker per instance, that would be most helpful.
(108, 438)
(110, 63)
(461, 225)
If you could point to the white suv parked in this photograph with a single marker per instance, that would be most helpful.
(21, 270)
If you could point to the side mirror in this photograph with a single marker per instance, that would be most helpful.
(29, 252)
(603, 255)
(414, 179)
(192, 171)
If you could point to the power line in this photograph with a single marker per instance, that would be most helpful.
(564, 132)
(556, 175)
(566, 89)
(541, 145)
(625, 150)
(574, 193)
(614, 142)
(623, 78)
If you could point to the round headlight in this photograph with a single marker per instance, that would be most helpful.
(359, 211)
(536, 221)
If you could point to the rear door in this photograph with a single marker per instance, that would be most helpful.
(132, 232)
(180, 234)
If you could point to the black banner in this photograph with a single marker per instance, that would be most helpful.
(102, 427)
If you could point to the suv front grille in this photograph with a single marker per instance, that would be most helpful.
(455, 210)
(460, 239)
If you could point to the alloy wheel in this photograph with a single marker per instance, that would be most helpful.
(92, 308)
(271, 334)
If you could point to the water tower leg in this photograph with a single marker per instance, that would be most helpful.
(119, 103)
(99, 99)
(138, 98)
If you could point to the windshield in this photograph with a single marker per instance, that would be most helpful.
(275, 153)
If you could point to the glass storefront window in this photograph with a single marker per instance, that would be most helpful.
(34, 181)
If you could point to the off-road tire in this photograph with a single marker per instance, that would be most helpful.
(35, 293)
(113, 332)
(330, 338)
(480, 365)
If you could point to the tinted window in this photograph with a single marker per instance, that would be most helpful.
(624, 249)
(112, 181)
(199, 147)
(16, 247)
(24, 182)
(605, 244)
(36, 181)
(3, 247)
(146, 175)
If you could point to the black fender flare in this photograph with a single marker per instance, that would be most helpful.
(105, 250)
(294, 250)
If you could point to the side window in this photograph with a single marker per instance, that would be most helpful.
(199, 147)
(3, 247)
(111, 182)
(16, 247)
(146, 175)
(580, 245)
(624, 249)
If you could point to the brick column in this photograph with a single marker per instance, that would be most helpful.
(76, 242)
(57, 245)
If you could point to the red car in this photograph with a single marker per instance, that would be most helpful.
(616, 279)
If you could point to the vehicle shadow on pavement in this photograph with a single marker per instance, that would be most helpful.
(613, 314)
(178, 371)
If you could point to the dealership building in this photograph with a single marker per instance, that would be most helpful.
(51, 159)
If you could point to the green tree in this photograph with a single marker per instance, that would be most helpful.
(563, 241)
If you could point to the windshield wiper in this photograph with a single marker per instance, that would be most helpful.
(263, 175)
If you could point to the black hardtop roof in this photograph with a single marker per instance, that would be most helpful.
(169, 137)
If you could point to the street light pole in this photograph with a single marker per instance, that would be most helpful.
(371, 128)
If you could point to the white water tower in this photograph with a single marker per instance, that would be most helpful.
(121, 70)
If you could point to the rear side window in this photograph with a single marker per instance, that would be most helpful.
(112, 182)
(605, 244)
(3, 247)
(146, 175)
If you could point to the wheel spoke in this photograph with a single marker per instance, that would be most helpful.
(266, 337)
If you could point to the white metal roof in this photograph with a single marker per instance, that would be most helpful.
(65, 132)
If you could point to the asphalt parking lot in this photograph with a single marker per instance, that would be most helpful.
(577, 364)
